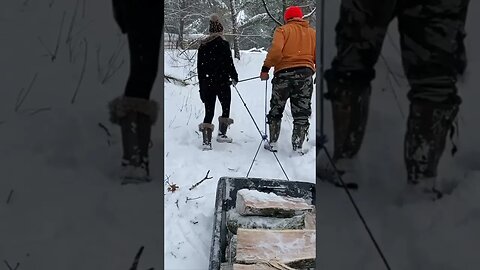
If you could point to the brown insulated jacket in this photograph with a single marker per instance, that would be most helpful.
(293, 46)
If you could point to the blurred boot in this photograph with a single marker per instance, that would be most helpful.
(223, 124)
(207, 130)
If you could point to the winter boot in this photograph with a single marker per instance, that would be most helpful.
(128, 112)
(223, 124)
(274, 130)
(298, 137)
(350, 105)
(207, 130)
(427, 128)
(145, 121)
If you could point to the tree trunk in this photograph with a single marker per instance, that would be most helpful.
(181, 27)
(233, 12)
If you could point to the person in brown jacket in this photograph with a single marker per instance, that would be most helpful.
(292, 54)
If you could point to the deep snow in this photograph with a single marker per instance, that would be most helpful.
(189, 223)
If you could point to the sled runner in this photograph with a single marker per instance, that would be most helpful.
(287, 211)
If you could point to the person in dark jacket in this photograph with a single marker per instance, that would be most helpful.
(433, 56)
(142, 22)
(216, 72)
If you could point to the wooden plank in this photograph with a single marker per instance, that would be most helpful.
(253, 202)
(295, 248)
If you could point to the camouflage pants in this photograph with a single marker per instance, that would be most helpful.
(298, 86)
(431, 40)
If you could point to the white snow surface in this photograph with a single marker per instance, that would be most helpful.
(67, 210)
(189, 227)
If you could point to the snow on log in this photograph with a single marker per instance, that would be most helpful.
(235, 221)
(256, 203)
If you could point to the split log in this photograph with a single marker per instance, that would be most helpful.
(255, 203)
(262, 266)
(235, 221)
(295, 248)
(310, 220)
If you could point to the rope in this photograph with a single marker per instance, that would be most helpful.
(323, 139)
(263, 135)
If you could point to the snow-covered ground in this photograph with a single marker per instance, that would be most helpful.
(419, 236)
(189, 223)
(67, 211)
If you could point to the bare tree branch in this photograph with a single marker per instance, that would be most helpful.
(201, 181)
(308, 15)
(270, 14)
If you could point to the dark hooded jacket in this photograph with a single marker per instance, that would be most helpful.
(215, 63)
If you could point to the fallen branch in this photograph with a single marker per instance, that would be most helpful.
(201, 181)
(83, 71)
(9, 196)
(20, 98)
(72, 23)
(192, 199)
(174, 80)
(9, 267)
(33, 112)
(57, 46)
(109, 135)
(137, 259)
(177, 205)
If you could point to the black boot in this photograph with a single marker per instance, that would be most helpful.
(427, 128)
(350, 106)
(144, 129)
(135, 117)
(274, 126)
(131, 150)
(298, 137)
(223, 124)
(207, 131)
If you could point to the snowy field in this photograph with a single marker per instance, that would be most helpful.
(189, 223)
(420, 236)
(66, 209)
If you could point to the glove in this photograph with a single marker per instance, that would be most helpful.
(264, 76)
(234, 82)
(264, 73)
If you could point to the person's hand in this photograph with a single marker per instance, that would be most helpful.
(264, 76)
(234, 82)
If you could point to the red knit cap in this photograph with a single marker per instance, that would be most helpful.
(293, 12)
